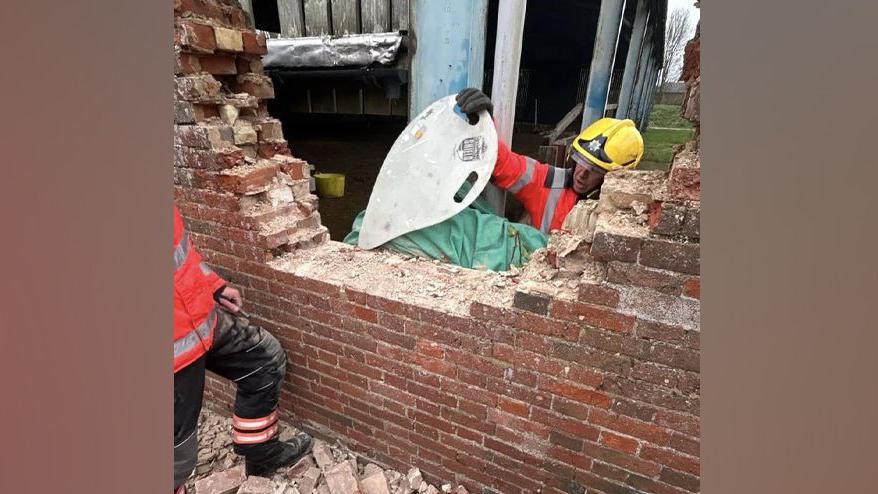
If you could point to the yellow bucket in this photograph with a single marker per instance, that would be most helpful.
(329, 184)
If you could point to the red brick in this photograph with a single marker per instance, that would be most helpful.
(532, 302)
(635, 274)
(437, 366)
(671, 459)
(623, 460)
(516, 423)
(598, 294)
(186, 63)
(610, 247)
(434, 422)
(692, 288)
(684, 182)
(608, 471)
(195, 36)
(662, 332)
(469, 392)
(579, 428)
(524, 320)
(576, 393)
(254, 44)
(652, 394)
(364, 314)
(514, 407)
(429, 348)
(680, 479)
(672, 356)
(631, 427)
(269, 149)
(674, 256)
(205, 8)
(686, 444)
(218, 64)
(565, 441)
(643, 484)
(571, 409)
(656, 374)
(593, 315)
(475, 423)
(197, 88)
(255, 84)
(620, 443)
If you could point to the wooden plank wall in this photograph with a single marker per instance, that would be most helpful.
(345, 17)
(338, 17)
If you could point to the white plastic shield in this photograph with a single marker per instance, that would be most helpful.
(429, 162)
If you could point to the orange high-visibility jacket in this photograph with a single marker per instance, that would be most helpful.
(194, 307)
(544, 190)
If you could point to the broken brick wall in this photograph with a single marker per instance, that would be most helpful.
(581, 373)
(513, 383)
(245, 198)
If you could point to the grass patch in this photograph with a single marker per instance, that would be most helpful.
(668, 116)
(659, 147)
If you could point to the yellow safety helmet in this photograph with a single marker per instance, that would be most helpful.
(609, 143)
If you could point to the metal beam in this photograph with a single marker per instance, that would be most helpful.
(504, 89)
(640, 82)
(650, 102)
(450, 51)
(635, 46)
(603, 55)
(648, 90)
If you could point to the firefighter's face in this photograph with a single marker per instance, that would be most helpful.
(586, 179)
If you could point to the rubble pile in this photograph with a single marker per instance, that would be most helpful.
(328, 469)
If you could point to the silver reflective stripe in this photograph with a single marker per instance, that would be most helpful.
(549, 211)
(205, 269)
(525, 177)
(559, 178)
(181, 251)
(194, 337)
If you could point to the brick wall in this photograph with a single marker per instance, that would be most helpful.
(244, 196)
(579, 374)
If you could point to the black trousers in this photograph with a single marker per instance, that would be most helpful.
(247, 355)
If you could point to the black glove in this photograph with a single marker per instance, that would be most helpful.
(471, 101)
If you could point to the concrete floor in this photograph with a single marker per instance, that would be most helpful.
(356, 146)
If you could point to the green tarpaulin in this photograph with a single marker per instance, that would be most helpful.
(474, 238)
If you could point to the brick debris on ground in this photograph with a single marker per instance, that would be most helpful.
(328, 469)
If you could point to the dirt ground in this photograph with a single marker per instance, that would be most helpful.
(356, 147)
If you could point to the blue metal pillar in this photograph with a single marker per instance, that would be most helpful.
(602, 57)
(635, 46)
(450, 51)
(650, 102)
(648, 90)
(642, 66)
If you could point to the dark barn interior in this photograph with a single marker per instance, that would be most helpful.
(346, 123)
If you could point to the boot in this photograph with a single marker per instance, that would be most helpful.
(264, 458)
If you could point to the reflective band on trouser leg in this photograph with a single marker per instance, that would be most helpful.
(256, 424)
(549, 211)
(181, 251)
(525, 177)
(239, 437)
(194, 337)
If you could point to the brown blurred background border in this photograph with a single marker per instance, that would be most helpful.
(789, 363)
